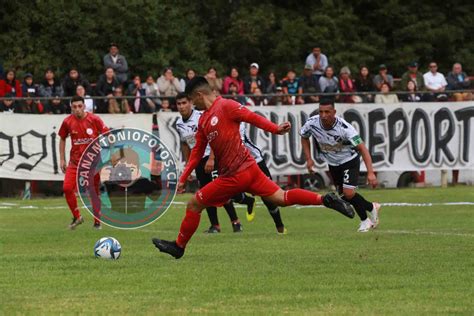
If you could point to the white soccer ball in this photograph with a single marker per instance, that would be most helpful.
(107, 248)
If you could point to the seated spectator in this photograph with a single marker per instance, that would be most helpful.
(235, 79)
(56, 106)
(279, 99)
(10, 85)
(139, 104)
(413, 96)
(328, 82)
(169, 85)
(106, 86)
(214, 81)
(386, 97)
(253, 80)
(412, 74)
(271, 85)
(152, 91)
(1, 70)
(318, 62)
(30, 106)
(88, 101)
(435, 83)
(8, 105)
(72, 80)
(346, 85)
(365, 83)
(28, 87)
(308, 84)
(190, 74)
(165, 106)
(383, 77)
(117, 103)
(290, 86)
(117, 62)
(257, 99)
(234, 93)
(50, 86)
(459, 80)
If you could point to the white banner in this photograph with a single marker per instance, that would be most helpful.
(29, 144)
(400, 137)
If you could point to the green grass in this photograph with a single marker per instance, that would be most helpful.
(419, 261)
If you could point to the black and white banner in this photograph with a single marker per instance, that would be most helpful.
(29, 144)
(400, 137)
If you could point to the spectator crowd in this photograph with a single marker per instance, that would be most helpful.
(151, 94)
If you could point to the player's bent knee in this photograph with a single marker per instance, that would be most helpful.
(348, 193)
(194, 205)
(277, 198)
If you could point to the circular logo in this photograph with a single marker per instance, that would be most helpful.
(89, 131)
(214, 120)
(127, 178)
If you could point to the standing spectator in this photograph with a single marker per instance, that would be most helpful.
(318, 61)
(106, 86)
(28, 87)
(308, 84)
(253, 80)
(290, 86)
(412, 74)
(117, 103)
(169, 85)
(152, 91)
(72, 80)
(386, 97)
(88, 101)
(8, 105)
(214, 81)
(382, 77)
(56, 106)
(365, 83)
(235, 79)
(459, 80)
(50, 86)
(435, 83)
(117, 62)
(139, 104)
(10, 84)
(328, 82)
(347, 85)
(413, 95)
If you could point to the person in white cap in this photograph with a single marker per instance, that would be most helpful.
(253, 80)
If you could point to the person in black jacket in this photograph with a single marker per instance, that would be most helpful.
(253, 81)
(72, 80)
(106, 86)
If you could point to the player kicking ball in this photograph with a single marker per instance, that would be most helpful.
(238, 172)
(83, 128)
(340, 145)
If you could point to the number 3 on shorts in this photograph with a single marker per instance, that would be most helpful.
(346, 176)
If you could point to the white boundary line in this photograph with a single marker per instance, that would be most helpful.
(420, 232)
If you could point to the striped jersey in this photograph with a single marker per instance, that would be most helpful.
(253, 149)
(337, 144)
(187, 130)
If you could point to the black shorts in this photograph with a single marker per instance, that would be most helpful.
(346, 175)
(203, 177)
(263, 166)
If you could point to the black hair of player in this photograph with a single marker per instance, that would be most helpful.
(77, 98)
(195, 83)
(182, 95)
(326, 101)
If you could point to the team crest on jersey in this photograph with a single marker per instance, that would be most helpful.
(89, 131)
(214, 121)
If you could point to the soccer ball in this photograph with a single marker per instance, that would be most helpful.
(107, 248)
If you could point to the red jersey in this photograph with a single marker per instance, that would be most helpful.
(82, 132)
(219, 126)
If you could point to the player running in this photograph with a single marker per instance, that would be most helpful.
(238, 171)
(187, 126)
(243, 198)
(340, 145)
(83, 128)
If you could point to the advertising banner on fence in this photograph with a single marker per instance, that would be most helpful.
(29, 144)
(400, 137)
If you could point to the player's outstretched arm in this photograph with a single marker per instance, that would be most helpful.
(306, 144)
(371, 178)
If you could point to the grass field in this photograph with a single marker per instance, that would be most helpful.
(419, 261)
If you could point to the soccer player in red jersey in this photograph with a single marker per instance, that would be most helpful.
(238, 171)
(83, 128)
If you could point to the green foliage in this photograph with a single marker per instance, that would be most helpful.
(194, 34)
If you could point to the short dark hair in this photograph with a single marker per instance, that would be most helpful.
(77, 98)
(113, 45)
(196, 83)
(326, 100)
(182, 95)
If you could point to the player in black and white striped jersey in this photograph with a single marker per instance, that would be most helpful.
(339, 144)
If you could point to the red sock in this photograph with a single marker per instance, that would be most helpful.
(188, 227)
(302, 197)
(72, 203)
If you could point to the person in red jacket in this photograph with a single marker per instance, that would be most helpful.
(10, 84)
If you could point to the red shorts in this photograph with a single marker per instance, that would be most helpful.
(221, 190)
